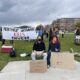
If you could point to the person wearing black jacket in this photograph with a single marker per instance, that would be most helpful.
(39, 49)
(77, 34)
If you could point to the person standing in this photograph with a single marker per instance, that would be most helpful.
(62, 34)
(3, 41)
(56, 31)
(50, 34)
(40, 33)
(77, 34)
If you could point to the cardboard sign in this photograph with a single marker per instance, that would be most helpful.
(62, 60)
(38, 66)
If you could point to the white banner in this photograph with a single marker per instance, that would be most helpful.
(18, 34)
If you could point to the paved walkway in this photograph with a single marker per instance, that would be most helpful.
(19, 70)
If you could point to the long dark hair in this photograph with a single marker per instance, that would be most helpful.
(78, 32)
(56, 38)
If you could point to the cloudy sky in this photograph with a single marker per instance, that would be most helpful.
(17, 12)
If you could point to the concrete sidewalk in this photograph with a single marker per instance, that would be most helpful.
(14, 71)
(19, 70)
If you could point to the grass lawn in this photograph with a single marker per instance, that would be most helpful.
(25, 46)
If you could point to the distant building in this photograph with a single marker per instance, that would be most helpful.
(66, 23)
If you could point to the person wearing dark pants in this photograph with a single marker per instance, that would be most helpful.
(62, 34)
(11, 41)
(3, 41)
(54, 46)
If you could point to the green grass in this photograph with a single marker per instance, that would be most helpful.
(68, 42)
(25, 46)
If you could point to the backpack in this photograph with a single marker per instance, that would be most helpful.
(13, 53)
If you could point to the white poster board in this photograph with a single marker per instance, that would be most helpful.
(18, 34)
(62, 60)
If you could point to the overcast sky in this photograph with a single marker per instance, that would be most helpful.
(17, 12)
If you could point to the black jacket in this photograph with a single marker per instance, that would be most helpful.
(78, 32)
(39, 46)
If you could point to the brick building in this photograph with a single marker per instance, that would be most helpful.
(66, 23)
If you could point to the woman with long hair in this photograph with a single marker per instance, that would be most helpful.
(54, 46)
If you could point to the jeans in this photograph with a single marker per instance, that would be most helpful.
(48, 58)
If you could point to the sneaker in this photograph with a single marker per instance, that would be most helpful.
(48, 66)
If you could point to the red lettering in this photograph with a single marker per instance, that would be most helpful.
(19, 34)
